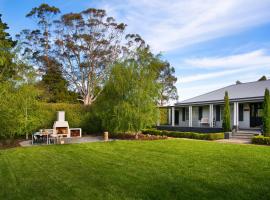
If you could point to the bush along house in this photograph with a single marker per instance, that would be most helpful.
(204, 113)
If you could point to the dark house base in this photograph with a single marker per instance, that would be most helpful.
(190, 129)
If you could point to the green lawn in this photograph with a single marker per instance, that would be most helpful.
(168, 169)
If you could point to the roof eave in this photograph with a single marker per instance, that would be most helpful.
(248, 99)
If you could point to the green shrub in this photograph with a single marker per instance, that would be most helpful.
(226, 125)
(261, 140)
(266, 113)
(191, 135)
(163, 116)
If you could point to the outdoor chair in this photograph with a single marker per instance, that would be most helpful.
(204, 121)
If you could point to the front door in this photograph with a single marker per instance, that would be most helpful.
(256, 112)
(176, 117)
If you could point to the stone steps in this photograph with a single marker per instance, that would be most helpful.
(244, 135)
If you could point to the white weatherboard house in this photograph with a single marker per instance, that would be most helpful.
(206, 111)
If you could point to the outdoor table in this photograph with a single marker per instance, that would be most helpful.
(41, 134)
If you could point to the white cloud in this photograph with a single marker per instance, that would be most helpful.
(173, 24)
(199, 77)
(255, 59)
(188, 90)
(215, 72)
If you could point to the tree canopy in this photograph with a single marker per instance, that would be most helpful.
(129, 99)
(6, 55)
(84, 56)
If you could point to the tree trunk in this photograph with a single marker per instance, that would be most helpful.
(87, 100)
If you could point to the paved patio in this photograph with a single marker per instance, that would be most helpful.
(235, 141)
(85, 139)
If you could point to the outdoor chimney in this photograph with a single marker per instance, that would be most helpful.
(61, 126)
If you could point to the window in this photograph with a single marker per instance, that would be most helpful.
(200, 112)
(221, 112)
(183, 114)
(241, 112)
(187, 113)
(217, 113)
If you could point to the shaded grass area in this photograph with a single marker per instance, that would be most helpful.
(165, 169)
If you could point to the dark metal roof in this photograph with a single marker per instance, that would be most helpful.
(244, 91)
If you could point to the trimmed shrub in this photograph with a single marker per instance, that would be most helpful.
(191, 135)
(226, 125)
(261, 140)
(266, 113)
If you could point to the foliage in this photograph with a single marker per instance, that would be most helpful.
(192, 135)
(88, 43)
(261, 140)
(18, 109)
(77, 115)
(163, 116)
(44, 15)
(22, 114)
(266, 113)
(129, 98)
(238, 82)
(37, 48)
(6, 56)
(55, 86)
(263, 78)
(167, 80)
(226, 124)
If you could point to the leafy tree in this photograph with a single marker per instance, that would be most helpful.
(18, 109)
(44, 15)
(37, 46)
(6, 55)
(166, 78)
(165, 72)
(226, 124)
(263, 78)
(55, 85)
(128, 101)
(88, 44)
(266, 113)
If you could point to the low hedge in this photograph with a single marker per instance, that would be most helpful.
(261, 140)
(191, 135)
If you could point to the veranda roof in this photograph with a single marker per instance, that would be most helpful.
(250, 91)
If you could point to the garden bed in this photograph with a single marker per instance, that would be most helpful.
(261, 140)
(191, 135)
(138, 136)
(10, 143)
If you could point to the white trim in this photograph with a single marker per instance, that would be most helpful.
(169, 116)
(190, 116)
(211, 115)
(235, 114)
(173, 116)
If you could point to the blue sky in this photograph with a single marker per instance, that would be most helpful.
(211, 43)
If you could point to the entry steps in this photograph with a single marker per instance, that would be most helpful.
(245, 134)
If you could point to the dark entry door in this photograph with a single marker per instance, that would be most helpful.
(176, 117)
(256, 112)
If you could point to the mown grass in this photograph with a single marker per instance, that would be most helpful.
(165, 169)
